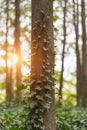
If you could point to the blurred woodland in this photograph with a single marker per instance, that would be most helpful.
(43, 54)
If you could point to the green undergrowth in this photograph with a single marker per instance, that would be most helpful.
(12, 117)
(71, 119)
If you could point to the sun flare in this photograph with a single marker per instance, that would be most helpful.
(12, 60)
(15, 59)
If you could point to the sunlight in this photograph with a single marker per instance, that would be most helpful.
(12, 60)
(15, 59)
(9, 63)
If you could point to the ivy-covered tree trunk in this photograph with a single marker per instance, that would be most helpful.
(17, 48)
(42, 110)
(8, 68)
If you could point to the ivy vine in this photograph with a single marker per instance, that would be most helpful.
(40, 97)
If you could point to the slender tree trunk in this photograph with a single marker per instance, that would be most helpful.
(17, 48)
(42, 59)
(79, 68)
(84, 49)
(8, 69)
(63, 54)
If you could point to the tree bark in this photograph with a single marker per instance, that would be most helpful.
(17, 48)
(63, 54)
(42, 51)
(8, 69)
(78, 60)
(84, 50)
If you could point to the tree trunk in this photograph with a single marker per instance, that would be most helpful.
(17, 48)
(79, 68)
(42, 62)
(84, 50)
(63, 54)
(8, 69)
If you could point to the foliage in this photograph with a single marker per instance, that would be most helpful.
(12, 116)
(71, 119)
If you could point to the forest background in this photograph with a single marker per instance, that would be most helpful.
(69, 19)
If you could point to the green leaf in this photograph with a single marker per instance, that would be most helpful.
(32, 81)
(48, 95)
(32, 104)
(14, 128)
(41, 120)
(38, 88)
(48, 71)
(45, 49)
(47, 106)
(47, 63)
(39, 81)
(22, 87)
(42, 11)
(32, 93)
(39, 97)
(47, 87)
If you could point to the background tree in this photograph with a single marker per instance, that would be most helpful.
(84, 51)
(81, 60)
(24, 39)
(78, 57)
(8, 67)
(63, 53)
(17, 48)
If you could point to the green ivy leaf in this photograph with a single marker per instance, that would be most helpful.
(47, 87)
(48, 71)
(32, 104)
(32, 93)
(39, 97)
(47, 106)
(38, 88)
(45, 49)
(39, 81)
(32, 81)
(41, 120)
(48, 95)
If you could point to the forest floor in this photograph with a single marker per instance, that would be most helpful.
(13, 115)
(71, 118)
